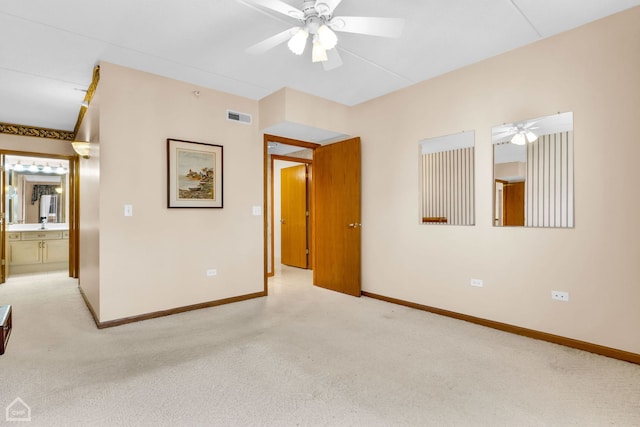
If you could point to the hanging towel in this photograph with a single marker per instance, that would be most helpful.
(45, 205)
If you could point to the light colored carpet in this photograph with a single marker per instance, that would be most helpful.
(303, 356)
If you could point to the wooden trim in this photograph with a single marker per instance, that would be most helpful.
(291, 159)
(89, 306)
(74, 215)
(430, 219)
(265, 210)
(529, 333)
(162, 313)
(269, 195)
(289, 141)
(3, 223)
(74, 205)
(91, 91)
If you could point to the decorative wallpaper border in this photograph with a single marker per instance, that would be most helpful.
(63, 135)
(20, 130)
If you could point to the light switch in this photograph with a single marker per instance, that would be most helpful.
(257, 210)
(128, 210)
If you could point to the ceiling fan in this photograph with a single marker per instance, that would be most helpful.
(520, 133)
(316, 21)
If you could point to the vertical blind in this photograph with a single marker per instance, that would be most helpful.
(448, 186)
(549, 181)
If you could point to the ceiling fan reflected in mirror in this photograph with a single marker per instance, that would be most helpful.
(520, 133)
(318, 25)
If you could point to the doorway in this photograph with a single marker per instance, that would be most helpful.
(38, 200)
(509, 203)
(335, 247)
(282, 153)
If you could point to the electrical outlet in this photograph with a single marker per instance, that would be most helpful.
(478, 283)
(212, 272)
(560, 296)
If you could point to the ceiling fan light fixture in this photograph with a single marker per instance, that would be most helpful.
(518, 139)
(327, 37)
(322, 8)
(531, 136)
(319, 54)
(298, 42)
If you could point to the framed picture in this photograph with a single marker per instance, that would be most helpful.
(194, 174)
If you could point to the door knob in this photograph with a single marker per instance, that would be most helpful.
(354, 225)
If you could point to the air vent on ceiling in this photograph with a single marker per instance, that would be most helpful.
(239, 117)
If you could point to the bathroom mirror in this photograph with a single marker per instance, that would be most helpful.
(36, 190)
(448, 179)
(533, 172)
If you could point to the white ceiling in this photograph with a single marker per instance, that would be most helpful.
(49, 47)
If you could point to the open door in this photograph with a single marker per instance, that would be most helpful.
(336, 184)
(513, 204)
(294, 216)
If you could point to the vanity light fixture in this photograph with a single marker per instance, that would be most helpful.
(60, 170)
(82, 148)
(33, 168)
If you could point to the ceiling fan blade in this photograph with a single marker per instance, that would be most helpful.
(271, 42)
(504, 131)
(333, 60)
(527, 125)
(382, 27)
(280, 7)
(326, 7)
(499, 136)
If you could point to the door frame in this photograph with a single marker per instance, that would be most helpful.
(269, 244)
(74, 207)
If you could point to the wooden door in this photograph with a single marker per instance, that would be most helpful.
(336, 184)
(294, 216)
(513, 194)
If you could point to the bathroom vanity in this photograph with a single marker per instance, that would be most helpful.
(32, 250)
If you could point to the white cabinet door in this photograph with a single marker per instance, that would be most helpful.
(25, 252)
(55, 251)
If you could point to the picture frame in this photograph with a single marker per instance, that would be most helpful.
(194, 174)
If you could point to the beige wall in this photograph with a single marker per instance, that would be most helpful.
(509, 170)
(35, 145)
(89, 221)
(298, 107)
(592, 71)
(157, 259)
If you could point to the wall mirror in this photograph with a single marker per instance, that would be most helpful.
(448, 179)
(533, 172)
(36, 190)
